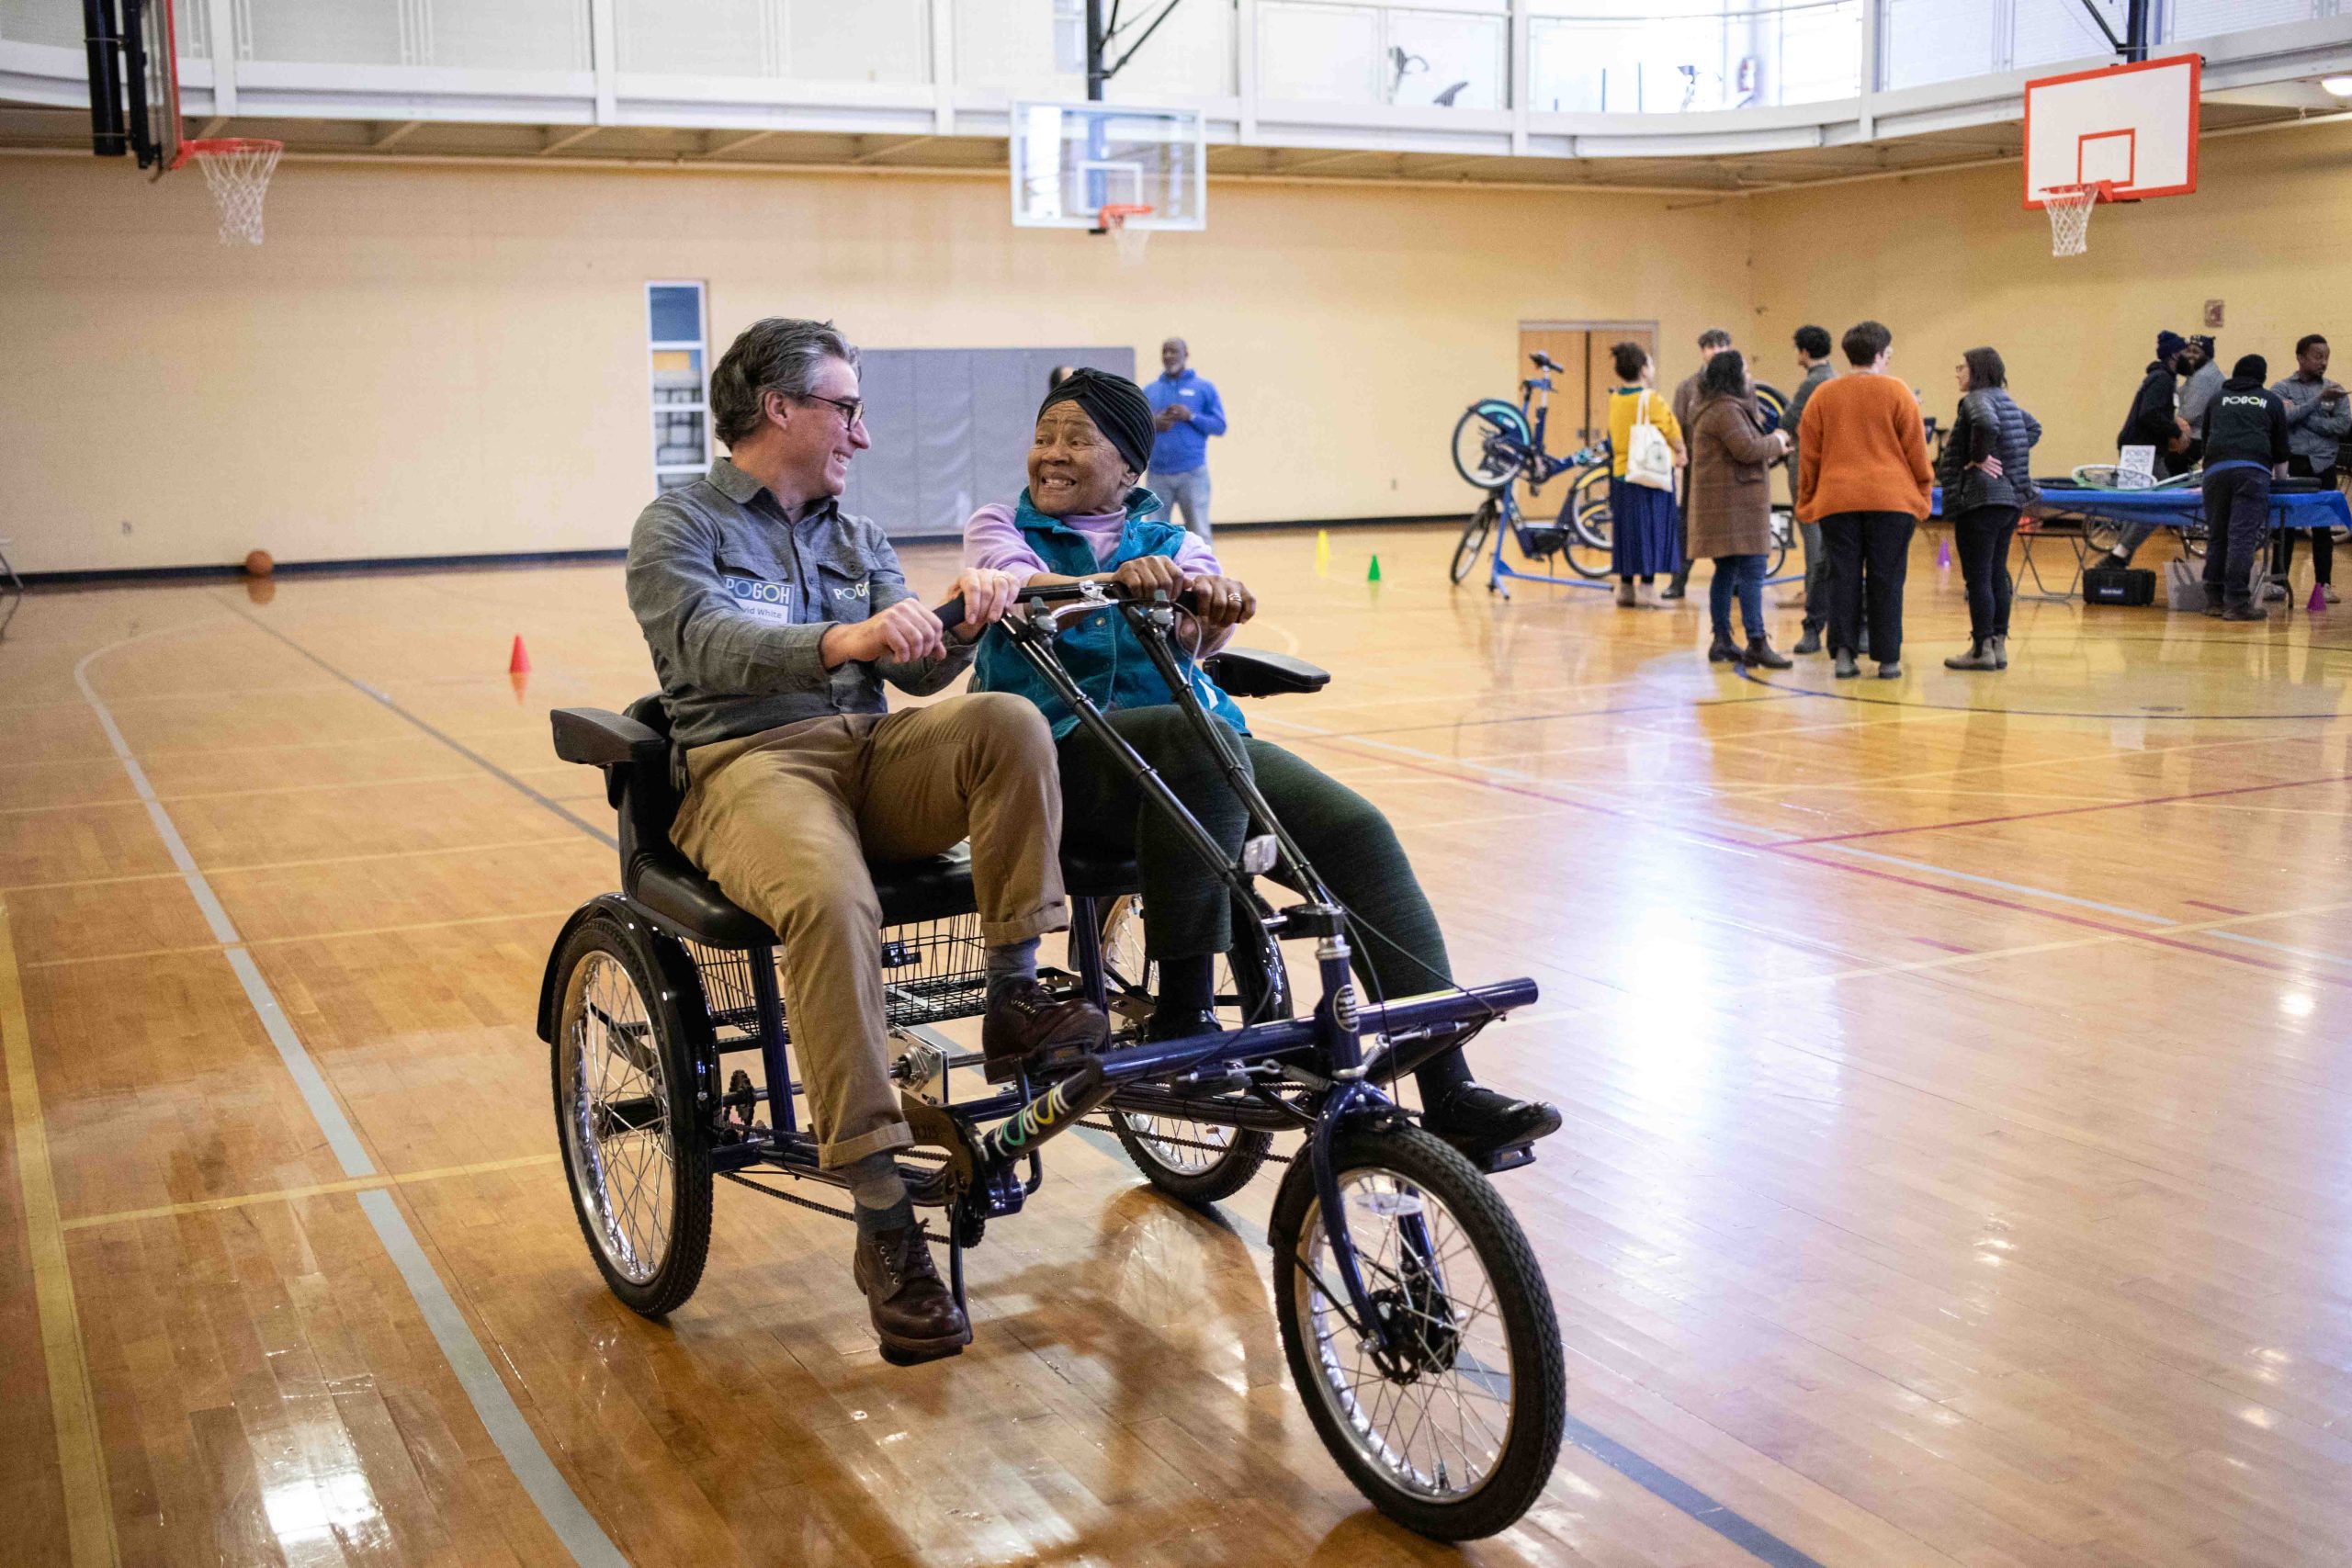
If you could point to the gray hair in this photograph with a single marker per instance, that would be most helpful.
(778, 354)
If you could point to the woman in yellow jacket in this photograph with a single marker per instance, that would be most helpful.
(1644, 535)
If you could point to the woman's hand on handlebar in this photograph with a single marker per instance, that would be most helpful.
(986, 595)
(1146, 575)
(1220, 602)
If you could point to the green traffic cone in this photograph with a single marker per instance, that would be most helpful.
(1373, 575)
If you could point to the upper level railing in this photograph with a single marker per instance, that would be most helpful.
(1556, 77)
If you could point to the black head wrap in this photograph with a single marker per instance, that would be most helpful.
(2250, 368)
(1117, 407)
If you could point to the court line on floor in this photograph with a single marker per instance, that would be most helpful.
(315, 1189)
(1643, 1472)
(274, 865)
(566, 1517)
(1787, 847)
(241, 794)
(72, 1406)
(1839, 838)
(297, 937)
(450, 741)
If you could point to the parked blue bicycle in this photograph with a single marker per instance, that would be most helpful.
(1497, 444)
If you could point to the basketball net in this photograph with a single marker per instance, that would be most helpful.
(2069, 215)
(238, 171)
(1131, 239)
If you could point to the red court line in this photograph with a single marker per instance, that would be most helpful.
(1788, 846)
(2083, 921)
(2064, 811)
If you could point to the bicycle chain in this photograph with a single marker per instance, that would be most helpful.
(1272, 1158)
(807, 1203)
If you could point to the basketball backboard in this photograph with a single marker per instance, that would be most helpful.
(1071, 160)
(2132, 128)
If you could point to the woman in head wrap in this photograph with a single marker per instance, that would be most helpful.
(1083, 516)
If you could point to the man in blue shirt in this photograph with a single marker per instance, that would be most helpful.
(1185, 413)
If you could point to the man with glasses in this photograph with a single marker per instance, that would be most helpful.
(774, 618)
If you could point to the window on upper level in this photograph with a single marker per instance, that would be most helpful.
(1443, 53)
(1699, 56)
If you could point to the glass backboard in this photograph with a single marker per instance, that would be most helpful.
(1070, 161)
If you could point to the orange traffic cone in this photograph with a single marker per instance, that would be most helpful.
(518, 662)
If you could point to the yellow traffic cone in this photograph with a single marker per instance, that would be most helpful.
(1322, 552)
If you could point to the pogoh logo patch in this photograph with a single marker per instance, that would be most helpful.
(767, 601)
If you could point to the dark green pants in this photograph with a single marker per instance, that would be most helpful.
(1186, 911)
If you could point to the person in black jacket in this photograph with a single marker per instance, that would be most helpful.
(2155, 421)
(1987, 482)
(2246, 443)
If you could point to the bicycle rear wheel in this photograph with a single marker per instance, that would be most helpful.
(1585, 522)
(1490, 444)
(1474, 537)
(1783, 524)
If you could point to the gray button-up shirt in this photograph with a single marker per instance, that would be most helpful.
(734, 601)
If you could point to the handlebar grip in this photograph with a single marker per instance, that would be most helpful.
(951, 614)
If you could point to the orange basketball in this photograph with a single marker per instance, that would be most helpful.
(259, 564)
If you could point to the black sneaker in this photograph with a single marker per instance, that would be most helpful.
(2246, 613)
(1478, 1121)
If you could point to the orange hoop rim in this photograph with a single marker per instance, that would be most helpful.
(1115, 215)
(222, 146)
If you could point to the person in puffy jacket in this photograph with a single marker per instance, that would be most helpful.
(2246, 442)
(1987, 482)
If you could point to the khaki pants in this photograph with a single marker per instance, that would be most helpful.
(785, 820)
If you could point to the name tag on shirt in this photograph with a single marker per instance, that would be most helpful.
(768, 602)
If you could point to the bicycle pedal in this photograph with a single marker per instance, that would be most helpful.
(1511, 1158)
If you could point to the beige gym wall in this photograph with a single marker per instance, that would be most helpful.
(1951, 261)
(432, 360)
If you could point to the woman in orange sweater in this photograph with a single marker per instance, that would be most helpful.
(1862, 474)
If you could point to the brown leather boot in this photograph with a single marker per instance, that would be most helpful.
(1029, 1026)
(914, 1313)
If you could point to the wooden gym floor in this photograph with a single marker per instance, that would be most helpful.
(1958, 1075)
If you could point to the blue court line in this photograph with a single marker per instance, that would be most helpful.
(459, 746)
(1654, 1479)
(574, 1527)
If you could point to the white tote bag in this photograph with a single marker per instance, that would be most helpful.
(1649, 462)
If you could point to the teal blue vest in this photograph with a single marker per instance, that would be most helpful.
(1098, 649)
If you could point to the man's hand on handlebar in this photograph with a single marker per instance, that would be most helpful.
(905, 632)
(986, 595)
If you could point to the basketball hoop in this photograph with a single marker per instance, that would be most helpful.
(1131, 238)
(2070, 215)
(237, 169)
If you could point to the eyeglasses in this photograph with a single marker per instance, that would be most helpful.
(852, 408)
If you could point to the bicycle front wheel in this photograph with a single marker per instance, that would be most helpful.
(1453, 1427)
(1474, 537)
(1490, 444)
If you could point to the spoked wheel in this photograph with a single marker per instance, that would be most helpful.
(1474, 537)
(1200, 1162)
(1491, 442)
(1452, 1429)
(633, 1146)
(1783, 524)
(1586, 531)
